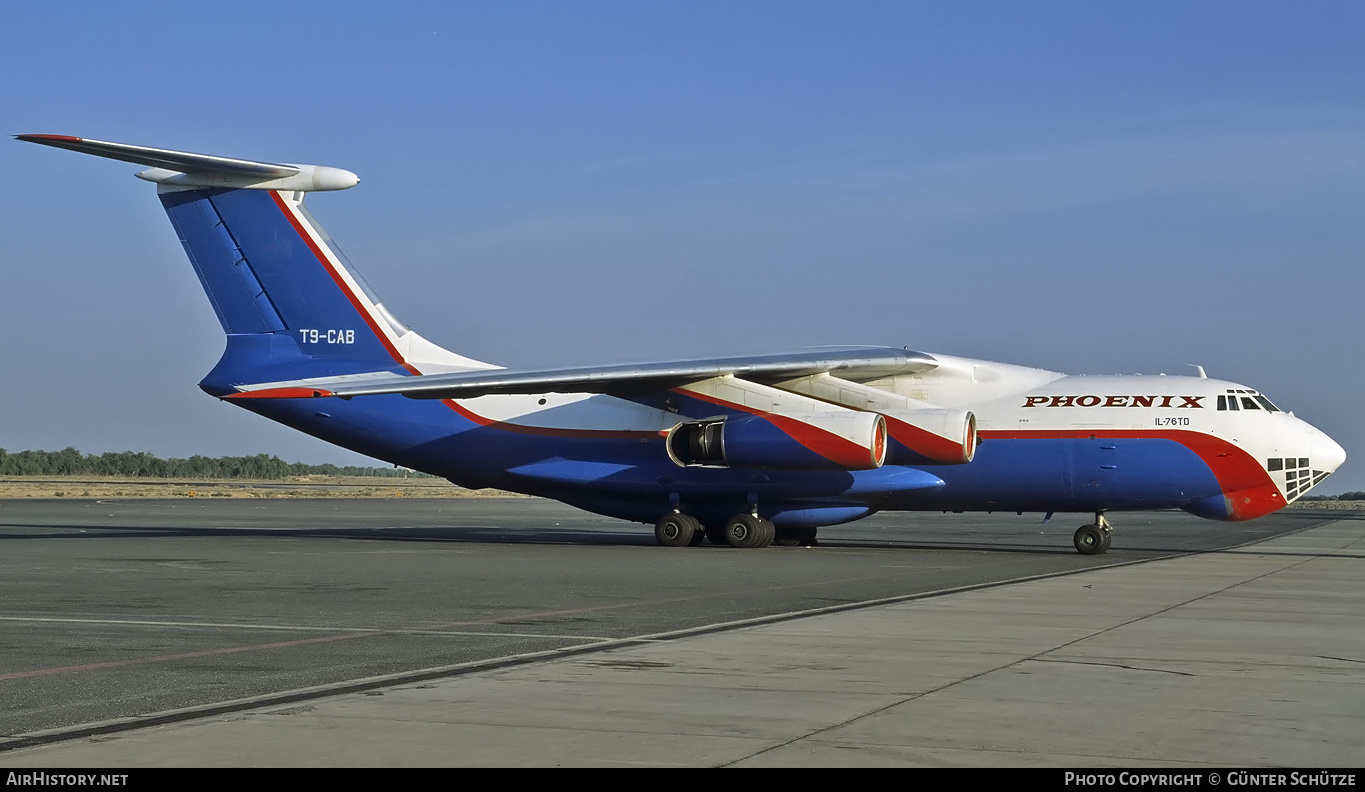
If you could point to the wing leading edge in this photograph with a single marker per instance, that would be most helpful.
(858, 364)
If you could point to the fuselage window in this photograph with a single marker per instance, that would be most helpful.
(1232, 403)
(1249, 404)
(1223, 403)
(1266, 404)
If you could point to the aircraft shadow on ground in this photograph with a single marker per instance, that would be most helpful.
(536, 536)
(1051, 541)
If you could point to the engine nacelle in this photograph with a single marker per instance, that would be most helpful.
(931, 437)
(845, 440)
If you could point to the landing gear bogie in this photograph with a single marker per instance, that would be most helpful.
(678, 530)
(747, 530)
(744, 530)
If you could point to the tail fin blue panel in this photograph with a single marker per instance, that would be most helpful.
(236, 293)
(266, 272)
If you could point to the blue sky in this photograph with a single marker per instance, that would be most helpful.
(1087, 187)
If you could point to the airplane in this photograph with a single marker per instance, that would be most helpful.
(742, 452)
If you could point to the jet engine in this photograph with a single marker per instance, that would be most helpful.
(931, 436)
(811, 441)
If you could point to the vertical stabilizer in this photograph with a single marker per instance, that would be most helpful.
(290, 303)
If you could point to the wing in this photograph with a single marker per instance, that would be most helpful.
(857, 364)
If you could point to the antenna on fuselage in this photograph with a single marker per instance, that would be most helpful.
(1200, 369)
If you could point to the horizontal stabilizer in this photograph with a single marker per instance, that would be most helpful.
(188, 170)
(182, 161)
(857, 363)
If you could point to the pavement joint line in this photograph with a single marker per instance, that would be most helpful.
(1306, 553)
(1124, 666)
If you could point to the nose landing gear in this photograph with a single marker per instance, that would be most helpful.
(1094, 539)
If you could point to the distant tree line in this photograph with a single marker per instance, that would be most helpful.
(1345, 496)
(138, 464)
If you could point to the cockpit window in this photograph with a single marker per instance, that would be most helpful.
(1252, 401)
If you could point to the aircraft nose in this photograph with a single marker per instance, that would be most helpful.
(1326, 453)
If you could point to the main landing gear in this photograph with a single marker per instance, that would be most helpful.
(748, 530)
(679, 530)
(1094, 539)
(745, 530)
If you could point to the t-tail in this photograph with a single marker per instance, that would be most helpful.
(292, 306)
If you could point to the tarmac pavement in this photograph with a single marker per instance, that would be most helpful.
(1248, 657)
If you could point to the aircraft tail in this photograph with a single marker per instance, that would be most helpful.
(290, 303)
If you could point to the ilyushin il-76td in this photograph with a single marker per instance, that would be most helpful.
(737, 451)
